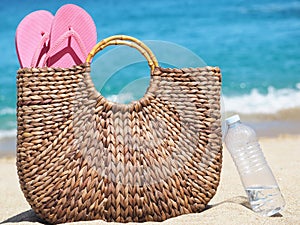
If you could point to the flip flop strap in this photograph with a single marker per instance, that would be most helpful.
(37, 53)
(61, 39)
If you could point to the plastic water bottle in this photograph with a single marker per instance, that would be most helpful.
(258, 180)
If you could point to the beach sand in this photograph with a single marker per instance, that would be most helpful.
(229, 206)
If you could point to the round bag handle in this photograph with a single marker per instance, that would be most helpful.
(125, 40)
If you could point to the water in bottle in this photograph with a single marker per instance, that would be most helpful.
(258, 180)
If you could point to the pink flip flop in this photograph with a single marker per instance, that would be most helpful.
(73, 35)
(32, 37)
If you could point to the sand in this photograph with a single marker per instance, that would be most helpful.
(229, 206)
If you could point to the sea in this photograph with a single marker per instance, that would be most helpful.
(255, 43)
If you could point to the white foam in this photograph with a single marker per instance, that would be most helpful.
(7, 134)
(256, 102)
(121, 98)
(7, 111)
(272, 7)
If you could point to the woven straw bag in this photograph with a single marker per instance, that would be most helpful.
(82, 157)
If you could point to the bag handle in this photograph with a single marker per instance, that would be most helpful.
(125, 40)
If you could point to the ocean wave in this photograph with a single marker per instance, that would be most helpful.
(121, 98)
(286, 8)
(274, 101)
(7, 111)
(276, 104)
(4, 134)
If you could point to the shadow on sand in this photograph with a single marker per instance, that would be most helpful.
(27, 216)
(240, 200)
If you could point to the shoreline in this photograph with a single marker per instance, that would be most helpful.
(263, 128)
(274, 128)
(8, 146)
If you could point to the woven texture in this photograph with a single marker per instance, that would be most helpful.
(82, 157)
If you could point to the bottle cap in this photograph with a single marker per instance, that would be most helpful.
(232, 119)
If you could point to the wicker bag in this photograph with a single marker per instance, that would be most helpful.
(82, 157)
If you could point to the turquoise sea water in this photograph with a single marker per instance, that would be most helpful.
(255, 43)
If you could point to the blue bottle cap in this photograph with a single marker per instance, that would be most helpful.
(233, 119)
